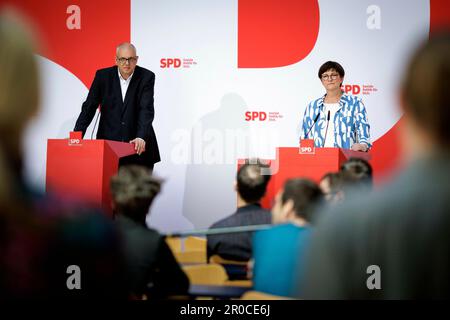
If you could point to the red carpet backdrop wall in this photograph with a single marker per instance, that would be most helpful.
(233, 78)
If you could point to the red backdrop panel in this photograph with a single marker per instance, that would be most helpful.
(104, 24)
(275, 33)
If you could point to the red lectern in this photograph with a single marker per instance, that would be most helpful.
(83, 169)
(290, 163)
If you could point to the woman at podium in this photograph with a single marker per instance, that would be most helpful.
(337, 119)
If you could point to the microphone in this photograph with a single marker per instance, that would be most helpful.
(315, 120)
(95, 124)
(326, 130)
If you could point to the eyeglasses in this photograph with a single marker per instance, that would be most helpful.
(333, 76)
(130, 60)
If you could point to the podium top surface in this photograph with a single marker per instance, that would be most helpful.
(324, 152)
(121, 149)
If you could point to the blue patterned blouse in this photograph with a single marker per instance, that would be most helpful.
(350, 122)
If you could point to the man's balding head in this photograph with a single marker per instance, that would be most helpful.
(251, 182)
(126, 59)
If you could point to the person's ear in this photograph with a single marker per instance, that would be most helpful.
(235, 188)
(291, 215)
(288, 208)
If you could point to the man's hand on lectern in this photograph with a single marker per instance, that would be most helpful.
(139, 145)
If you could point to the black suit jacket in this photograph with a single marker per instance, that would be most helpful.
(237, 246)
(152, 268)
(122, 120)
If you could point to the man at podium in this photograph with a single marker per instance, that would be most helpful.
(125, 95)
(336, 120)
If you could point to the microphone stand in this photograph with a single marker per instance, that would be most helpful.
(326, 130)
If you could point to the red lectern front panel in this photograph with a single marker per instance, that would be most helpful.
(83, 170)
(290, 163)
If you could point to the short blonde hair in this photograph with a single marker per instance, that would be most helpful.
(19, 83)
(19, 93)
(125, 45)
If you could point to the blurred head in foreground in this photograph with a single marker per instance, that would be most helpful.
(19, 86)
(330, 184)
(19, 95)
(424, 98)
(296, 202)
(133, 190)
(355, 175)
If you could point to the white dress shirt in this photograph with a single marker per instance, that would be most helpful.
(124, 84)
(124, 87)
(333, 108)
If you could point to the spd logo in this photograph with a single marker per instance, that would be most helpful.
(351, 88)
(75, 138)
(170, 63)
(255, 116)
(307, 146)
(364, 89)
